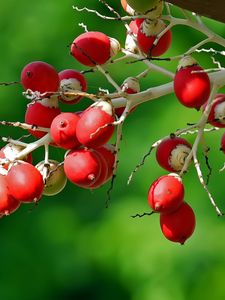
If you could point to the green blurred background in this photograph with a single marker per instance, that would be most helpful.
(70, 246)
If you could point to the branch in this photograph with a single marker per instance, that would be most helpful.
(208, 8)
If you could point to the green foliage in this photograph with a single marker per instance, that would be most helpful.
(70, 246)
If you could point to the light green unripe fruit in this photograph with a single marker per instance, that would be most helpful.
(54, 177)
(142, 6)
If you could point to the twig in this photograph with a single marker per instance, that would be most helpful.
(142, 215)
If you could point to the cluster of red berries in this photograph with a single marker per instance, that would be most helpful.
(166, 194)
(177, 219)
(90, 161)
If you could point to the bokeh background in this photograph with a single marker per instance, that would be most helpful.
(70, 246)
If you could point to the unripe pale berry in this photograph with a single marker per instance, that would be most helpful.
(166, 193)
(41, 113)
(94, 129)
(217, 113)
(147, 34)
(63, 130)
(191, 83)
(179, 225)
(172, 152)
(70, 81)
(94, 48)
(8, 204)
(25, 182)
(56, 179)
(40, 76)
(82, 167)
(142, 6)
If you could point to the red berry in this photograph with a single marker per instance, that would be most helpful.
(217, 112)
(82, 167)
(130, 43)
(108, 152)
(89, 131)
(179, 225)
(40, 76)
(25, 182)
(71, 80)
(94, 48)
(63, 130)
(134, 26)
(191, 84)
(8, 204)
(166, 193)
(172, 152)
(147, 34)
(40, 114)
(103, 174)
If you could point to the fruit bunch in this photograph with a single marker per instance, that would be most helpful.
(91, 157)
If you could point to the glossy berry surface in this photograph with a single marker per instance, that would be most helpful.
(166, 193)
(63, 130)
(25, 182)
(191, 87)
(94, 129)
(40, 76)
(146, 43)
(91, 48)
(179, 225)
(82, 167)
(40, 115)
(8, 204)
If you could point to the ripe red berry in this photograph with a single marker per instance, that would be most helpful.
(191, 83)
(25, 182)
(172, 152)
(8, 204)
(108, 152)
(63, 130)
(217, 112)
(94, 48)
(41, 113)
(82, 167)
(70, 81)
(89, 128)
(179, 225)
(103, 174)
(147, 34)
(40, 76)
(166, 193)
